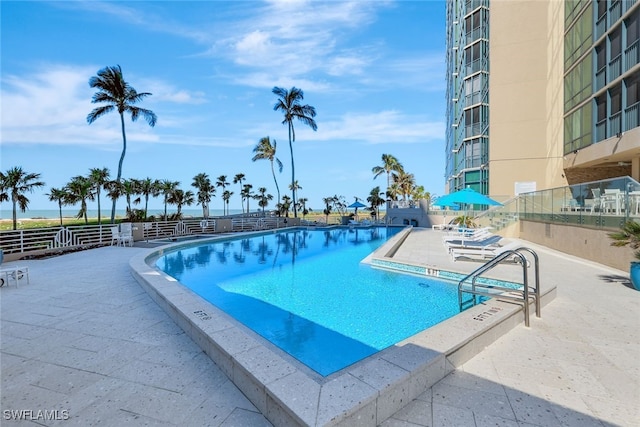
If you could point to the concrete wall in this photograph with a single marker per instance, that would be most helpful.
(590, 244)
(526, 95)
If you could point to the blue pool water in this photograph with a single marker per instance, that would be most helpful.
(306, 292)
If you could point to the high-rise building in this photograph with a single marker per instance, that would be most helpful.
(541, 94)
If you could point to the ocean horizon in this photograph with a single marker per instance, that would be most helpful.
(105, 213)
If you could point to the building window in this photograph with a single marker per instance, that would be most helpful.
(473, 89)
(632, 109)
(633, 32)
(602, 8)
(615, 107)
(633, 89)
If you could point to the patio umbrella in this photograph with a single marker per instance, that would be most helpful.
(357, 205)
(467, 196)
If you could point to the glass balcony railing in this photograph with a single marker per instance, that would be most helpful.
(599, 204)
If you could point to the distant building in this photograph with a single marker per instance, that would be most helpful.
(541, 94)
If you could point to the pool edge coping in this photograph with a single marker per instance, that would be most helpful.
(366, 393)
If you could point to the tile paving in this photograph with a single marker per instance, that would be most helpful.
(85, 339)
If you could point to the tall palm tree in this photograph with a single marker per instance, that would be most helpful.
(289, 103)
(181, 198)
(226, 195)
(206, 190)
(222, 182)
(265, 151)
(390, 165)
(98, 178)
(116, 93)
(58, 195)
(14, 183)
(148, 187)
(166, 188)
(238, 180)
(80, 189)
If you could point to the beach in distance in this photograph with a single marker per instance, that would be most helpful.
(105, 213)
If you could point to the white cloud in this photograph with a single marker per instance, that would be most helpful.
(376, 128)
(51, 105)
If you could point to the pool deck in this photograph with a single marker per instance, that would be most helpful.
(85, 339)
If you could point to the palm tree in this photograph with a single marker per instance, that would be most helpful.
(375, 201)
(130, 188)
(238, 180)
(265, 151)
(246, 194)
(289, 103)
(98, 178)
(206, 190)
(116, 93)
(115, 190)
(222, 182)
(302, 204)
(225, 198)
(390, 165)
(294, 187)
(13, 184)
(283, 207)
(327, 203)
(58, 195)
(181, 198)
(80, 189)
(148, 187)
(166, 188)
(263, 198)
(406, 183)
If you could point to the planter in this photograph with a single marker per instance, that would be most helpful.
(634, 272)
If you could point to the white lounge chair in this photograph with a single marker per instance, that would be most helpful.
(481, 253)
(485, 241)
(467, 235)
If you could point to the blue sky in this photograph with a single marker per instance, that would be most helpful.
(374, 71)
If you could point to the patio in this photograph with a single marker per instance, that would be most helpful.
(83, 337)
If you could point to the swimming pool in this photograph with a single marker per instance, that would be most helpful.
(307, 292)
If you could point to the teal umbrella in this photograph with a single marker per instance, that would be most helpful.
(467, 196)
(357, 205)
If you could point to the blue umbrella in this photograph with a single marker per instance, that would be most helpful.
(466, 196)
(357, 205)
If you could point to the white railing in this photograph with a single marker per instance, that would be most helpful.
(48, 239)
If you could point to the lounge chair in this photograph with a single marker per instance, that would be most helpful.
(467, 235)
(481, 253)
(489, 240)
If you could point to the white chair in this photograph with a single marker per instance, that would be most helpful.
(126, 234)
(611, 200)
(115, 235)
(596, 202)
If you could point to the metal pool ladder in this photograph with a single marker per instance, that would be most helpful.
(523, 293)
